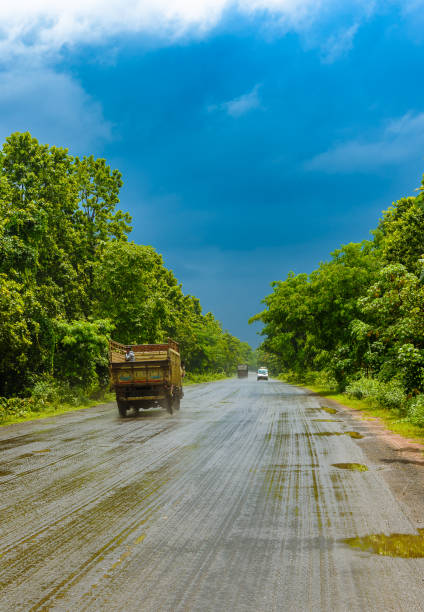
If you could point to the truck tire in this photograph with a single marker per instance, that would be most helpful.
(122, 408)
(169, 404)
(176, 403)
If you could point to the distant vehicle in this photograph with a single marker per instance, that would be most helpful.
(262, 374)
(151, 377)
(242, 370)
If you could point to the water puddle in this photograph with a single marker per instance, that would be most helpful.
(329, 410)
(5, 472)
(352, 434)
(354, 467)
(404, 545)
(43, 450)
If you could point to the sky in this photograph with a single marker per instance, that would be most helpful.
(254, 137)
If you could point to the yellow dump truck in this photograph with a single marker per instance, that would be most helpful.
(146, 375)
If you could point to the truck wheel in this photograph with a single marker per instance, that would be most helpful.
(122, 408)
(169, 403)
(176, 403)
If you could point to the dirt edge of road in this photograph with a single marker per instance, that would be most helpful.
(400, 459)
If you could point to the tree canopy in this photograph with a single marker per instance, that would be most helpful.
(69, 277)
(361, 312)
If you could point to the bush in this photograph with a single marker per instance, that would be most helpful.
(363, 388)
(192, 378)
(46, 391)
(323, 379)
(416, 411)
(411, 361)
(15, 407)
(391, 395)
(81, 353)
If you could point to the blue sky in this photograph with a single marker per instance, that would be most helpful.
(254, 137)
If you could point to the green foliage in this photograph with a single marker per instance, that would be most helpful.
(15, 407)
(320, 379)
(400, 232)
(81, 352)
(416, 411)
(360, 316)
(192, 379)
(68, 277)
(134, 290)
(307, 318)
(387, 394)
(14, 332)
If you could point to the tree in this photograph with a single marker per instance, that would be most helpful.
(400, 233)
(132, 289)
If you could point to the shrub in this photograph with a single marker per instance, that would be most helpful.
(46, 391)
(192, 378)
(411, 362)
(416, 411)
(391, 395)
(363, 388)
(81, 353)
(15, 407)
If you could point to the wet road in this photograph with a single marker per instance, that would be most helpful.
(242, 501)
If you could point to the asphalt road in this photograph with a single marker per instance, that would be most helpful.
(241, 501)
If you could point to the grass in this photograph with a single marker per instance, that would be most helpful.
(194, 379)
(56, 410)
(391, 419)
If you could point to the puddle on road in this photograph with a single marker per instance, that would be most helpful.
(354, 467)
(329, 410)
(43, 450)
(5, 472)
(404, 545)
(352, 434)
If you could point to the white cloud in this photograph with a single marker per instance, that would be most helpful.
(48, 25)
(241, 105)
(339, 44)
(53, 107)
(398, 141)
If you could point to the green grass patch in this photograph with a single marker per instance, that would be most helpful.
(194, 379)
(54, 410)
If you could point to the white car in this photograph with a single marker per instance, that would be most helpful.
(262, 374)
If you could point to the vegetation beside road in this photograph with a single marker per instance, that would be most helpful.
(194, 379)
(22, 409)
(70, 278)
(392, 419)
(357, 321)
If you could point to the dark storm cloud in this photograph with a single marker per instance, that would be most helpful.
(249, 151)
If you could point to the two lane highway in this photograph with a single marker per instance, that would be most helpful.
(244, 500)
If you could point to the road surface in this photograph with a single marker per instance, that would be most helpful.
(241, 501)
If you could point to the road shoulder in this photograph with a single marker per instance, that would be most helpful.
(400, 459)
